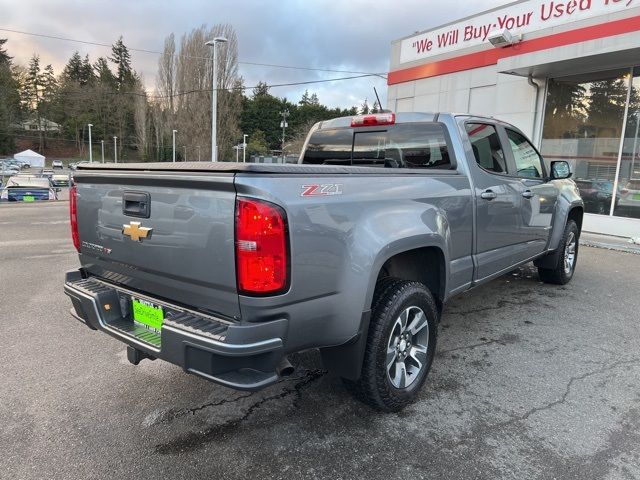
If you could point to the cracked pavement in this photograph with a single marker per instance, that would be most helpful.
(530, 381)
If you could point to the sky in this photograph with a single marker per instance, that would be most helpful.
(353, 35)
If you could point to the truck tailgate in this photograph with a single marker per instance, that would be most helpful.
(188, 255)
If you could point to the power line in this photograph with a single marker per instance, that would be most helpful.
(208, 90)
(155, 52)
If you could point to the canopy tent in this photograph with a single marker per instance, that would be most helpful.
(34, 159)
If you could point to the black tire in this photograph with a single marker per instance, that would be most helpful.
(391, 298)
(560, 275)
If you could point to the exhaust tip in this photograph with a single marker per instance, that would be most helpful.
(284, 368)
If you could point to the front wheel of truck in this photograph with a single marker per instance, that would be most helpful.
(567, 257)
(400, 346)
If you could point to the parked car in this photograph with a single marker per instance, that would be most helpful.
(596, 194)
(47, 173)
(629, 198)
(25, 188)
(60, 180)
(57, 164)
(10, 167)
(227, 268)
(7, 172)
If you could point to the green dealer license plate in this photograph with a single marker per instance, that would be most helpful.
(28, 198)
(147, 314)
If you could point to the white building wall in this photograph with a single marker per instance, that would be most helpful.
(481, 91)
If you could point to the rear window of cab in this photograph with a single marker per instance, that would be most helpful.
(405, 145)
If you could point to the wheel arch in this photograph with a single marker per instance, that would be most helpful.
(426, 262)
(423, 264)
(576, 214)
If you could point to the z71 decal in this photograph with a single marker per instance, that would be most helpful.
(321, 189)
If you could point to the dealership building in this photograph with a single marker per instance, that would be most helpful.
(566, 72)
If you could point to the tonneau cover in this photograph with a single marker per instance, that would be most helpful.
(233, 167)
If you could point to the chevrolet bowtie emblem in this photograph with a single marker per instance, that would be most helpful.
(136, 232)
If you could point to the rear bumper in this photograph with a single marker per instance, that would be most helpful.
(243, 357)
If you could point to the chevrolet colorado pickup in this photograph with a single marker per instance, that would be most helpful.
(227, 268)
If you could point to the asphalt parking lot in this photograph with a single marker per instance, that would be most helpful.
(530, 381)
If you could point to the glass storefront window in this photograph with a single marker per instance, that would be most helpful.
(627, 202)
(583, 124)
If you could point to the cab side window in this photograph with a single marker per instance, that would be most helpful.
(486, 147)
(528, 162)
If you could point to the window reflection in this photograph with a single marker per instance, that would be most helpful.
(583, 125)
(628, 190)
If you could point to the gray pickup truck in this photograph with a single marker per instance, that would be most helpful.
(225, 269)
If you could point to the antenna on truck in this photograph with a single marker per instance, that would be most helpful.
(382, 110)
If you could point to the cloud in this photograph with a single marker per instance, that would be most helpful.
(342, 35)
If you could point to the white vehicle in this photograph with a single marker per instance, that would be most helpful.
(57, 164)
(629, 199)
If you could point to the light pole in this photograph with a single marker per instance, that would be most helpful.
(90, 145)
(635, 144)
(244, 148)
(102, 147)
(283, 124)
(115, 149)
(198, 147)
(214, 98)
(174, 145)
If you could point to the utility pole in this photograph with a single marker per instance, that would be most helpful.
(244, 148)
(184, 159)
(198, 147)
(174, 146)
(102, 147)
(283, 125)
(214, 97)
(115, 149)
(90, 144)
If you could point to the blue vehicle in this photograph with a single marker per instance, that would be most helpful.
(28, 189)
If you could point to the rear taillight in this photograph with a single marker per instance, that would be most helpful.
(73, 216)
(261, 247)
(373, 120)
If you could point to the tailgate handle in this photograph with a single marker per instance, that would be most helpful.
(136, 204)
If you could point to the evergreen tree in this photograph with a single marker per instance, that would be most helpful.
(103, 73)
(122, 59)
(257, 144)
(364, 108)
(49, 84)
(86, 72)
(305, 100)
(261, 89)
(9, 101)
(5, 59)
(73, 71)
(32, 95)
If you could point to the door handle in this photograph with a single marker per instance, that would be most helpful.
(528, 194)
(488, 195)
(136, 204)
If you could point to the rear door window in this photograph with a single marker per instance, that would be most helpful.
(408, 145)
(486, 146)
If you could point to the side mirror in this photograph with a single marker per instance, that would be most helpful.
(560, 169)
